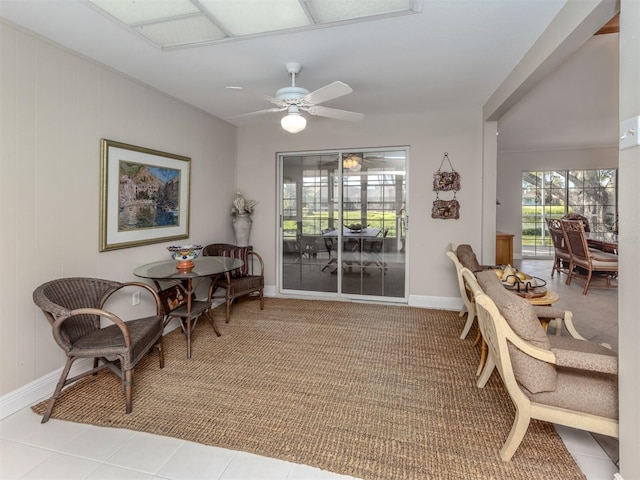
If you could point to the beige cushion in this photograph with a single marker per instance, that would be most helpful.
(588, 392)
(467, 258)
(533, 374)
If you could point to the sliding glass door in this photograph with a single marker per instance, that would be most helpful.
(343, 223)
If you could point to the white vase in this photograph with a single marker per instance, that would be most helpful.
(242, 228)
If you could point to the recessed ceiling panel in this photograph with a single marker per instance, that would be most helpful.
(249, 17)
(182, 32)
(133, 12)
(176, 23)
(325, 11)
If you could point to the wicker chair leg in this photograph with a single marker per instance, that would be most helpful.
(128, 390)
(209, 315)
(56, 393)
(261, 299)
(160, 346)
(229, 300)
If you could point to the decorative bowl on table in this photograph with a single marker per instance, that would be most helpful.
(184, 255)
(355, 227)
(525, 285)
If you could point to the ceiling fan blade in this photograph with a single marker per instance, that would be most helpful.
(268, 98)
(259, 112)
(328, 92)
(335, 113)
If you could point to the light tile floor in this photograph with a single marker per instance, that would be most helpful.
(65, 450)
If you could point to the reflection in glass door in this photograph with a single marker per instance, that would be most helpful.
(343, 223)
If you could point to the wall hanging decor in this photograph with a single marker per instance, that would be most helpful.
(445, 209)
(446, 181)
(144, 196)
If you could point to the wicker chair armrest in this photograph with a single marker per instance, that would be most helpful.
(259, 257)
(122, 325)
(593, 362)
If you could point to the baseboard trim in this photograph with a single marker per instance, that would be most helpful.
(437, 303)
(42, 388)
(38, 389)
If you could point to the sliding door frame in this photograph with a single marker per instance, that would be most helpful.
(402, 232)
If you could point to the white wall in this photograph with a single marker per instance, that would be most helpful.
(55, 106)
(509, 187)
(428, 135)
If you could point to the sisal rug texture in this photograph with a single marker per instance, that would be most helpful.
(373, 391)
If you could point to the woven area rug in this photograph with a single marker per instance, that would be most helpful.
(373, 391)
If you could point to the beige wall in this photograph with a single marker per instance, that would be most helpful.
(55, 107)
(429, 135)
(512, 164)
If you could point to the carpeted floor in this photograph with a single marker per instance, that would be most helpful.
(374, 391)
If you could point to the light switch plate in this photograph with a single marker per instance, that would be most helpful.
(630, 132)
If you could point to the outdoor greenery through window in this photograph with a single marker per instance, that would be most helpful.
(553, 194)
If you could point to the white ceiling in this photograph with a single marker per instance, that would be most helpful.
(453, 54)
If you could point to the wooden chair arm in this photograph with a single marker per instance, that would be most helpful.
(531, 350)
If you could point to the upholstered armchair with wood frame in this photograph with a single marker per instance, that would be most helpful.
(592, 260)
(468, 305)
(241, 281)
(545, 314)
(562, 380)
(75, 309)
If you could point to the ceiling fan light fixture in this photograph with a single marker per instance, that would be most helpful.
(352, 162)
(293, 122)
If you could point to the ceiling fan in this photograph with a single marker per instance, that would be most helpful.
(295, 99)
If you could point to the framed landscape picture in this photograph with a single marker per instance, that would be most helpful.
(144, 196)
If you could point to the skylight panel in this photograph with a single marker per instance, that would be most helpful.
(132, 12)
(173, 24)
(182, 32)
(326, 11)
(250, 17)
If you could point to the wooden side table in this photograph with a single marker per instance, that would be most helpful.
(504, 248)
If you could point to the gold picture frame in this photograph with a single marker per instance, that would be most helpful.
(144, 196)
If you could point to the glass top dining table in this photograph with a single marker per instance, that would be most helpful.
(203, 267)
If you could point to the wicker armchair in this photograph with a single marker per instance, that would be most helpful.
(563, 380)
(74, 308)
(242, 281)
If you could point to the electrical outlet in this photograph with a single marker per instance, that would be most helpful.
(135, 299)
